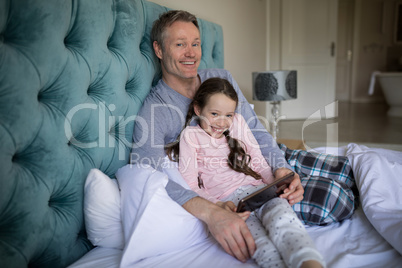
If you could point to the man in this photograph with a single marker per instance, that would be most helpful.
(176, 41)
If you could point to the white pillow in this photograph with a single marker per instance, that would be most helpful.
(102, 211)
(378, 177)
(153, 223)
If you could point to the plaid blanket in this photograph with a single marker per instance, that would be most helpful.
(329, 186)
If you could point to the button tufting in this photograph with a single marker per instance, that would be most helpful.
(1, 39)
(50, 202)
(68, 44)
(111, 43)
(65, 41)
(90, 89)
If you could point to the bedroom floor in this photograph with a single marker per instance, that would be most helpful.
(362, 123)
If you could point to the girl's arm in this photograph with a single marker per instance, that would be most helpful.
(188, 165)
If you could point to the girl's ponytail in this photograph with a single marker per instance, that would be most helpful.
(238, 159)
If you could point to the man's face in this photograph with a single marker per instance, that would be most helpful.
(181, 54)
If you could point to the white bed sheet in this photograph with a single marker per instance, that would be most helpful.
(351, 243)
(354, 243)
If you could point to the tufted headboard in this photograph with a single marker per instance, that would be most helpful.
(73, 75)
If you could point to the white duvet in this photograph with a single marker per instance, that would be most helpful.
(378, 174)
(153, 231)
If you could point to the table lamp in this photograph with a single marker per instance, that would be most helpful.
(274, 86)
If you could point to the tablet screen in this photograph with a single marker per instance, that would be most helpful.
(260, 197)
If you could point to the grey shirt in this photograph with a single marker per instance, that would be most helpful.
(162, 116)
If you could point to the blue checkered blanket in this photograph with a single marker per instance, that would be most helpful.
(330, 193)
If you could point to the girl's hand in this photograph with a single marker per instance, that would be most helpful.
(294, 193)
(244, 215)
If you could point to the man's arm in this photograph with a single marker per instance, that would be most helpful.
(150, 130)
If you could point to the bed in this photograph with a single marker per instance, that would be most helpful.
(73, 75)
(371, 238)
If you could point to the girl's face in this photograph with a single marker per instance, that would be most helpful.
(217, 115)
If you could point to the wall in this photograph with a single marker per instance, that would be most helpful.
(374, 29)
(249, 39)
(244, 30)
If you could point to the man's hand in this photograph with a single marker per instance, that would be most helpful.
(227, 227)
(294, 193)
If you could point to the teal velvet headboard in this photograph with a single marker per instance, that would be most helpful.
(73, 75)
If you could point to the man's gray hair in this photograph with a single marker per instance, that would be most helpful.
(166, 20)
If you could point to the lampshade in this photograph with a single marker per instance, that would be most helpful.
(274, 85)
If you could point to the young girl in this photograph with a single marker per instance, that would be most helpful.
(221, 161)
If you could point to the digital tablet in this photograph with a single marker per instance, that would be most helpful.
(260, 197)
